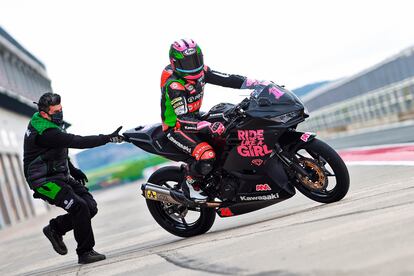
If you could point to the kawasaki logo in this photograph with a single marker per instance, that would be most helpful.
(186, 148)
(264, 197)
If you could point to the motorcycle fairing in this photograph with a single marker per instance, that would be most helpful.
(152, 139)
(250, 206)
(295, 139)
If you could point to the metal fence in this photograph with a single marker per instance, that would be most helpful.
(391, 103)
(392, 70)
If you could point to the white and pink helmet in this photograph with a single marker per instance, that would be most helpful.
(186, 57)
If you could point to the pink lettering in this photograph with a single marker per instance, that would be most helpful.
(243, 151)
(242, 135)
(258, 151)
(276, 92)
(252, 143)
(266, 150)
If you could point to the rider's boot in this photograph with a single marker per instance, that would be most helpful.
(192, 189)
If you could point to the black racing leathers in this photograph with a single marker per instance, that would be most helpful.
(181, 98)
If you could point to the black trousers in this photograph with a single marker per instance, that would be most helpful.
(75, 199)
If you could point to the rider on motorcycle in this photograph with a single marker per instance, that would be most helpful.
(182, 88)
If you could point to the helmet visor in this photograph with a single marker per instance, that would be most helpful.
(190, 64)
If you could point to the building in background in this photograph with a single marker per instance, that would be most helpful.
(23, 79)
(381, 94)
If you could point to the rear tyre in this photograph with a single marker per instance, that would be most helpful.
(178, 219)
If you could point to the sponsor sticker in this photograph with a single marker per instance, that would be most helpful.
(305, 136)
(180, 110)
(258, 198)
(68, 203)
(151, 194)
(194, 106)
(173, 101)
(195, 98)
(177, 105)
(263, 187)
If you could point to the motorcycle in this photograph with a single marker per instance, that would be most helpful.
(261, 160)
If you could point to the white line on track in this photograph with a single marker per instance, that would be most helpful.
(379, 163)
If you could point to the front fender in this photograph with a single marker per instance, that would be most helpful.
(293, 139)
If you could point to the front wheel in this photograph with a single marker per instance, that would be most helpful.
(179, 220)
(328, 177)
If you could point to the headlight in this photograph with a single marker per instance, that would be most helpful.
(286, 117)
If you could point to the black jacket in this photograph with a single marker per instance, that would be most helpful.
(46, 150)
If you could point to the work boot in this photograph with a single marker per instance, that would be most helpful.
(192, 190)
(56, 240)
(90, 257)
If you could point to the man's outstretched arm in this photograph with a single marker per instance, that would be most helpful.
(55, 138)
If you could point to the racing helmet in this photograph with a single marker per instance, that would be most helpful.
(186, 57)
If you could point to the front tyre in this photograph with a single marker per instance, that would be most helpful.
(328, 179)
(178, 219)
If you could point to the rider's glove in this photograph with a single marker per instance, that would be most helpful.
(214, 129)
(115, 137)
(78, 175)
(217, 129)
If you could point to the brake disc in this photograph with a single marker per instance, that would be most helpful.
(175, 211)
(317, 180)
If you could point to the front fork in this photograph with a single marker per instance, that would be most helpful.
(294, 140)
(289, 161)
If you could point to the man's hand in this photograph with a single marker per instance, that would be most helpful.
(115, 137)
(78, 175)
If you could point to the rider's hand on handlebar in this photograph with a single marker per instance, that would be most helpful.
(217, 129)
(214, 129)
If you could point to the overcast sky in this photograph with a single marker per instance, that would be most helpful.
(105, 57)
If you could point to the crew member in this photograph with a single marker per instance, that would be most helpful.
(53, 178)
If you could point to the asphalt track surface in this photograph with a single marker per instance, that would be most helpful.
(369, 232)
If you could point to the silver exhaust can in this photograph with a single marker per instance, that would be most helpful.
(158, 193)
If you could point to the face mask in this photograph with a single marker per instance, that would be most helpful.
(57, 118)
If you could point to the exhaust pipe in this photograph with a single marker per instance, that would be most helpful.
(159, 193)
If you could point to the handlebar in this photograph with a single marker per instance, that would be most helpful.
(235, 113)
(238, 109)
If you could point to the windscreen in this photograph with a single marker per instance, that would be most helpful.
(273, 100)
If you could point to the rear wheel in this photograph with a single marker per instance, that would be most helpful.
(179, 220)
(328, 179)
